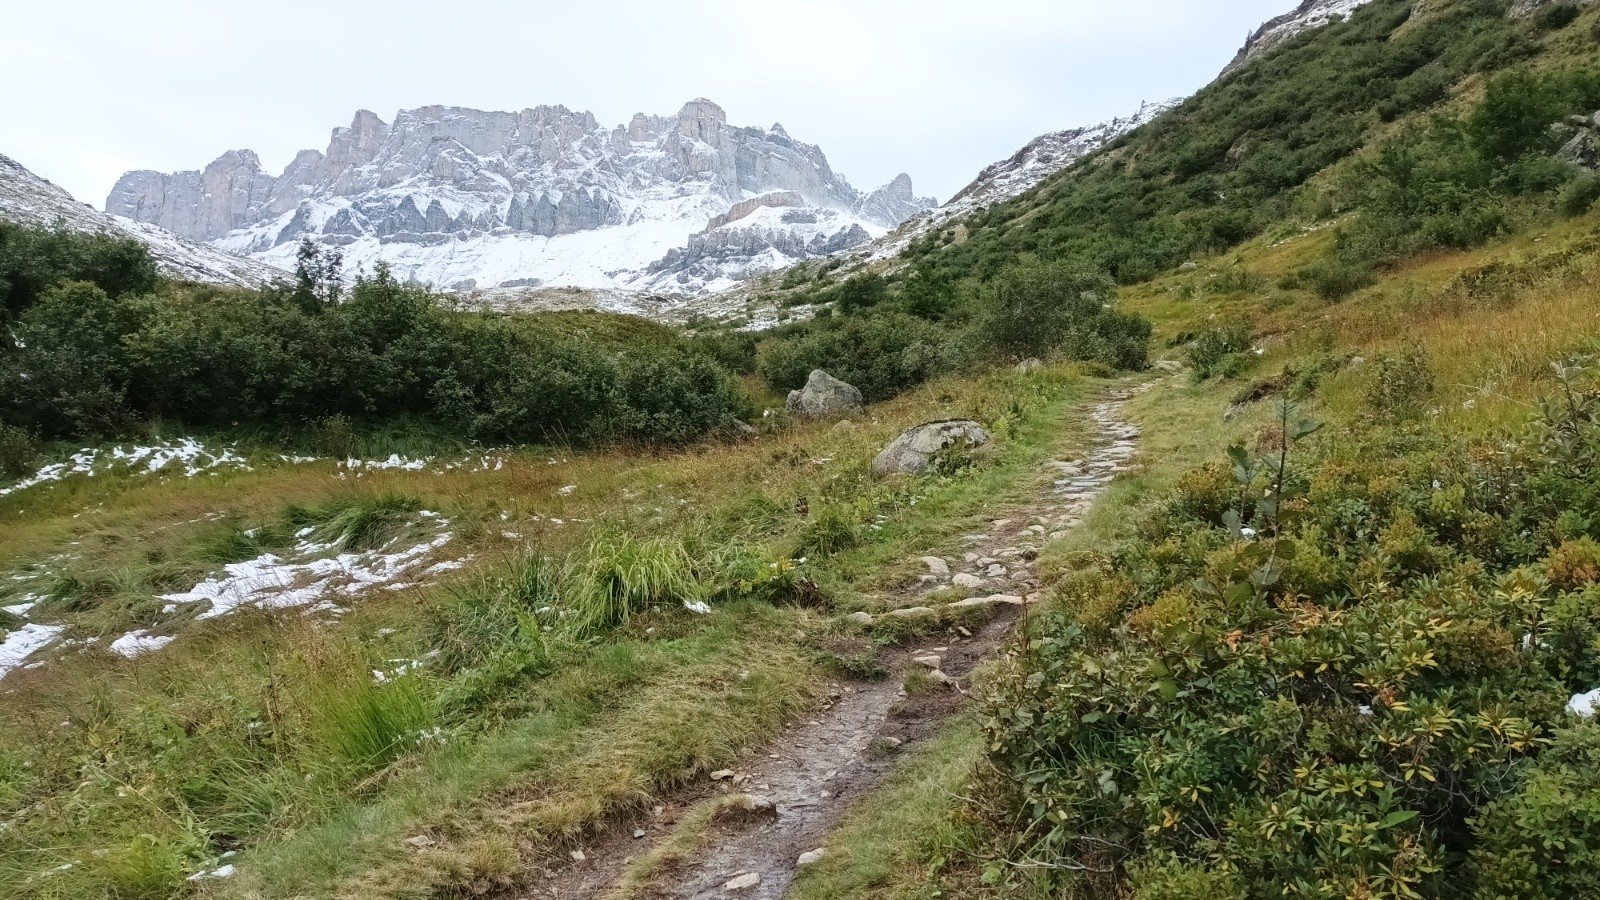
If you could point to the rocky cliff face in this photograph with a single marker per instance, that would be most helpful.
(27, 199)
(464, 198)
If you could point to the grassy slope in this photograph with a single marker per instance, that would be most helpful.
(1489, 340)
(138, 772)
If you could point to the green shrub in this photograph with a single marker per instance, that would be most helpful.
(1344, 687)
(1580, 195)
(1558, 16)
(99, 356)
(882, 353)
(34, 260)
(1033, 310)
(1213, 349)
(18, 451)
(1401, 384)
(674, 397)
(1542, 842)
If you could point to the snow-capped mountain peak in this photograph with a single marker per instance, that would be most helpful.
(464, 199)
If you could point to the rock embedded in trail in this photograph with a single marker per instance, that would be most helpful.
(967, 580)
(813, 856)
(825, 397)
(936, 566)
(914, 451)
(744, 882)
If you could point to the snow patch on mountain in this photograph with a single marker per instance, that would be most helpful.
(27, 199)
(1309, 14)
(1041, 158)
(470, 200)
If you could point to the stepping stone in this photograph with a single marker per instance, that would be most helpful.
(936, 565)
(967, 580)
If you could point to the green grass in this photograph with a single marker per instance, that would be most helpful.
(560, 683)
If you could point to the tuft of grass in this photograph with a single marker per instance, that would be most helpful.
(619, 576)
(364, 723)
(359, 523)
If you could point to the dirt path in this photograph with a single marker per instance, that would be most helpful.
(815, 773)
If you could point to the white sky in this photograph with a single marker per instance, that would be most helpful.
(936, 88)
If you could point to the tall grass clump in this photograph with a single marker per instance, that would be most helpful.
(488, 632)
(620, 575)
(364, 722)
(357, 523)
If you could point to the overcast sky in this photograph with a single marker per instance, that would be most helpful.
(936, 88)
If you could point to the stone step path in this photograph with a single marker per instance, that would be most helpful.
(819, 770)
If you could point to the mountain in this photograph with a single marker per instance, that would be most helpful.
(1309, 14)
(27, 199)
(466, 199)
(1024, 170)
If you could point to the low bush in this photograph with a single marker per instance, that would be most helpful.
(882, 353)
(1215, 350)
(1035, 310)
(1337, 672)
(99, 358)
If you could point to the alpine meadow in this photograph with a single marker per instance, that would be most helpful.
(1201, 505)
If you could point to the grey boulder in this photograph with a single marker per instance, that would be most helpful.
(914, 451)
(824, 397)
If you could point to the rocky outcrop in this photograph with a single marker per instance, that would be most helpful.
(766, 240)
(824, 397)
(449, 195)
(1309, 14)
(894, 203)
(747, 207)
(914, 451)
(27, 199)
(1582, 146)
(1524, 8)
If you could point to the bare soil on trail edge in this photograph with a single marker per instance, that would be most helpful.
(810, 777)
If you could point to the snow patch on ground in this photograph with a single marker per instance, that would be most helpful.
(23, 643)
(137, 643)
(186, 457)
(1584, 705)
(307, 575)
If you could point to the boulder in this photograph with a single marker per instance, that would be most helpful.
(1583, 149)
(913, 452)
(824, 397)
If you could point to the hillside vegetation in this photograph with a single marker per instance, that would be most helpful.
(1324, 647)
(1333, 634)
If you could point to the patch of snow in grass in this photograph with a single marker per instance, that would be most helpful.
(23, 642)
(227, 871)
(137, 643)
(187, 457)
(273, 582)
